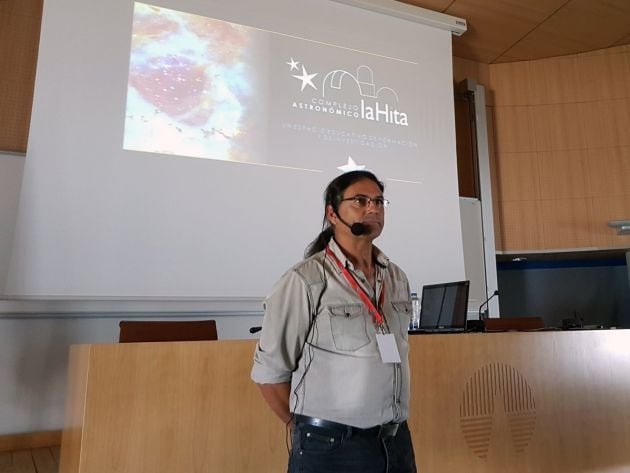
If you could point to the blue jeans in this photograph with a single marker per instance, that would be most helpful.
(332, 450)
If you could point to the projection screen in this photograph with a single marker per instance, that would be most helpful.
(181, 149)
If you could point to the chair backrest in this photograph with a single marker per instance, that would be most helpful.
(501, 324)
(167, 331)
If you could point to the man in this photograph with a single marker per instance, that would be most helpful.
(332, 357)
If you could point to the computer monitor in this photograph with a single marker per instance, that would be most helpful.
(444, 306)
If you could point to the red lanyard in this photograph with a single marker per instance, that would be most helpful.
(377, 317)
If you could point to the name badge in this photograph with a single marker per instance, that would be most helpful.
(387, 348)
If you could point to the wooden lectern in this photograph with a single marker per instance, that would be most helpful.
(543, 402)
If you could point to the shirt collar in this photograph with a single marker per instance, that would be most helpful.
(381, 258)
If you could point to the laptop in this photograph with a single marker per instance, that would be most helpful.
(444, 308)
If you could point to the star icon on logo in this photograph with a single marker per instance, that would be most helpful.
(306, 78)
(293, 64)
(351, 166)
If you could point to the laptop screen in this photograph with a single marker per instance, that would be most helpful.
(444, 306)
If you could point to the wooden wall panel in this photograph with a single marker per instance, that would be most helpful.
(562, 174)
(605, 123)
(514, 129)
(574, 114)
(566, 223)
(557, 127)
(19, 33)
(521, 224)
(521, 171)
(554, 81)
(603, 76)
(608, 171)
(510, 83)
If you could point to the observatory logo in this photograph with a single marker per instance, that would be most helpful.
(491, 388)
(353, 95)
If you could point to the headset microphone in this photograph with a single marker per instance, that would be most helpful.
(357, 228)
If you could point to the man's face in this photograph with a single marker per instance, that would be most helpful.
(352, 211)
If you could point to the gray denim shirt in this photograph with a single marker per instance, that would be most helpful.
(317, 334)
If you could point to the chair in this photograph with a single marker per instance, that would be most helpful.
(167, 331)
(513, 323)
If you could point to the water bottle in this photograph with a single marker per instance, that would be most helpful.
(415, 312)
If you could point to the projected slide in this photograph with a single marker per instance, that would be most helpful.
(206, 88)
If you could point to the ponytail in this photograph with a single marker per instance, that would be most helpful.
(320, 242)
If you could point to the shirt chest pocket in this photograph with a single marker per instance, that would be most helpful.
(403, 311)
(348, 323)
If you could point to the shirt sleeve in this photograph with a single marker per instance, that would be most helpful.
(285, 327)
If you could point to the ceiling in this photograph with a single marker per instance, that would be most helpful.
(518, 30)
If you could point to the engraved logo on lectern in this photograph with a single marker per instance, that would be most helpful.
(493, 387)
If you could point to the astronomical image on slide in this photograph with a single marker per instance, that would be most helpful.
(190, 85)
(206, 88)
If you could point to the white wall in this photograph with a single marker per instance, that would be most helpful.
(34, 361)
(11, 167)
(472, 236)
(35, 336)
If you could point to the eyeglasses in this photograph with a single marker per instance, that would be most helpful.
(363, 201)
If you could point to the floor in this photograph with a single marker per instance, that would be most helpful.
(39, 460)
